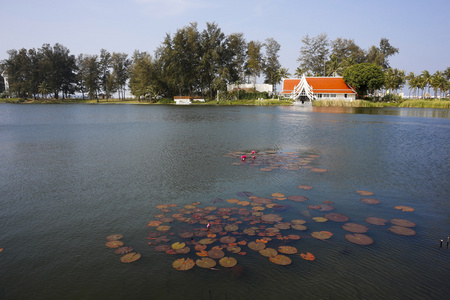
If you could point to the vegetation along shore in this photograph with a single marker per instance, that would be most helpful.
(204, 64)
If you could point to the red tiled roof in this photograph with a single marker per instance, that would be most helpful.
(321, 85)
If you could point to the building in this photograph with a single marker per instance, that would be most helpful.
(317, 88)
(250, 87)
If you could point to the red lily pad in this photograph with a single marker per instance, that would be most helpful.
(402, 230)
(216, 253)
(370, 201)
(114, 237)
(404, 208)
(271, 218)
(376, 221)
(256, 246)
(287, 250)
(297, 198)
(268, 252)
(359, 239)
(114, 244)
(321, 235)
(356, 228)
(365, 193)
(326, 207)
(305, 187)
(336, 217)
(403, 223)
(281, 260)
(123, 250)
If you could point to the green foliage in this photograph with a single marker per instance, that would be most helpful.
(431, 103)
(364, 77)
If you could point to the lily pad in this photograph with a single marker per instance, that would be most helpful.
(206, 241)
(130, 257)
(183, 250)
(299, 227)
(281, 260)
(256, 246)
(228, 239)
(370, 201)
(297, 198)
(308, 256)
(163, 228)
(216, 253)
(186, 234)
(305, 187)
(403, 223)
(359, 239)
(268, 252)
(365, 193)
(376, 221)
(356, 228)
(321, 235)
(123, 250)
(183, 264)
(326, 207)
(271, 218)
(231, 227)
(162, 248)
(114, 244)
(336, 217)
(228, 262)
(260, 200)
(404, 208)
(178, 245)
(319, 170)
(320, 219)
(402, 230)
(287, 249)
(283, 226)
(234, 249)
(206, 262)
(298, 222)
(114, 237)
(293, 237)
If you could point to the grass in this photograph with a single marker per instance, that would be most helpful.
(418, 103)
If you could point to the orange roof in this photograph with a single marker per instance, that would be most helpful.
(320, 85)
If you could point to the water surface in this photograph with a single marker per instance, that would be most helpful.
(70, 175)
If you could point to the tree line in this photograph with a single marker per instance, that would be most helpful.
(193, 62)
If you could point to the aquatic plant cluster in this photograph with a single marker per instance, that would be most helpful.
(223, 232)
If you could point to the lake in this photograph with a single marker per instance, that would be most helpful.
(72, 175)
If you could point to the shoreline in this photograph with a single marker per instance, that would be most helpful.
(413, 103)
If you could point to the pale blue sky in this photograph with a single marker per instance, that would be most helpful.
(420, 29)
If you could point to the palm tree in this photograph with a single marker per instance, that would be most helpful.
(411, 81)
(333, 65)
(426, 77)
(437, 82)
(44, 89)
(298, 72)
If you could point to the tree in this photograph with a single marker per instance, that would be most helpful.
(380, 55)
(19, 70)
(271, 62)
(313, 54)
(364, 78)
(394, 79)
(255, 60)
(344, 53)
(212, 52)
(143, 76)
(120, 65)
(107, 80)
(237, 49)
(438, 82)
(92, 76)
(412, 82)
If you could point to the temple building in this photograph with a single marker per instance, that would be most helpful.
(317, 88)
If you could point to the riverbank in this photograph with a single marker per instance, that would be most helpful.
(415, 103)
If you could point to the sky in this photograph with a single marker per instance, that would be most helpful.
(420, 29)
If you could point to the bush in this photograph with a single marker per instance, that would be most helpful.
(166, 101)
(392, 98)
